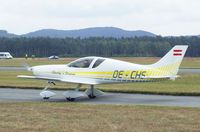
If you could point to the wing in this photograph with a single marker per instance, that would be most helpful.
(68, 79)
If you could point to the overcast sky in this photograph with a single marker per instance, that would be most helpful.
(162, 17)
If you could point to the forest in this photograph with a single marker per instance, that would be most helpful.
(97, 46)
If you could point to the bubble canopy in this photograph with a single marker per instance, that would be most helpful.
(86, 62)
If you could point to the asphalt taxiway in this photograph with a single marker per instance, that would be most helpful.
(10, 68)
(32, 95)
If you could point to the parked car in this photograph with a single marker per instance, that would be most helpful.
(53, 57)
(5, 55)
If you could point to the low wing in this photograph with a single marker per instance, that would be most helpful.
(76, 79)
(68, 79)
(85, 80)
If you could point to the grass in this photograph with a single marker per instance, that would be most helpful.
(187, 62)
(103, 118)
(33, 62)
(185, 85)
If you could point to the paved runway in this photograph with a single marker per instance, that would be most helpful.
(12, 68)
(30, 95)
(189, 71)
(181, 71)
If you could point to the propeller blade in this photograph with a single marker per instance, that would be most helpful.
(27, 67)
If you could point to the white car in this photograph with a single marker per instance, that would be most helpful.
(5, 55)
(53, 57)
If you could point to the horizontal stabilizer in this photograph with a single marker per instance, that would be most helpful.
(157, 77)
(162, 77)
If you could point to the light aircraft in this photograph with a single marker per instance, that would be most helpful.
(98, 70)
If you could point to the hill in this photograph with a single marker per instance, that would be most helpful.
(4, 33)
(89, 32)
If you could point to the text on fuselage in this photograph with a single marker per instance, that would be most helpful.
(129, 74)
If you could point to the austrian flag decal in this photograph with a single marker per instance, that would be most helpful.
(177, 52)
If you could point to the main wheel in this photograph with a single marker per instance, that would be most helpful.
(45, 98)
(91, 96)
(70, 99)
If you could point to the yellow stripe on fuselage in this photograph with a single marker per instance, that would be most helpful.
(126, 74)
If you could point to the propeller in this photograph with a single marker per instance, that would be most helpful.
(27, 67)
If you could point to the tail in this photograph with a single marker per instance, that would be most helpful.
(170, 63)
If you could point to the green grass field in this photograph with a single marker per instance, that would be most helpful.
(187, 62)
(185, 85)
(73, 117)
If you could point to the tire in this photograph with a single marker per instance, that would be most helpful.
(70, 99)
(91, 96)
(45, 98)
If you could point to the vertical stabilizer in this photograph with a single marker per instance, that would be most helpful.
(172, 60)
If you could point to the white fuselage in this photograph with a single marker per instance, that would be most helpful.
(109, 71)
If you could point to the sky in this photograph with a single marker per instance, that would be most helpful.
(162, 17)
